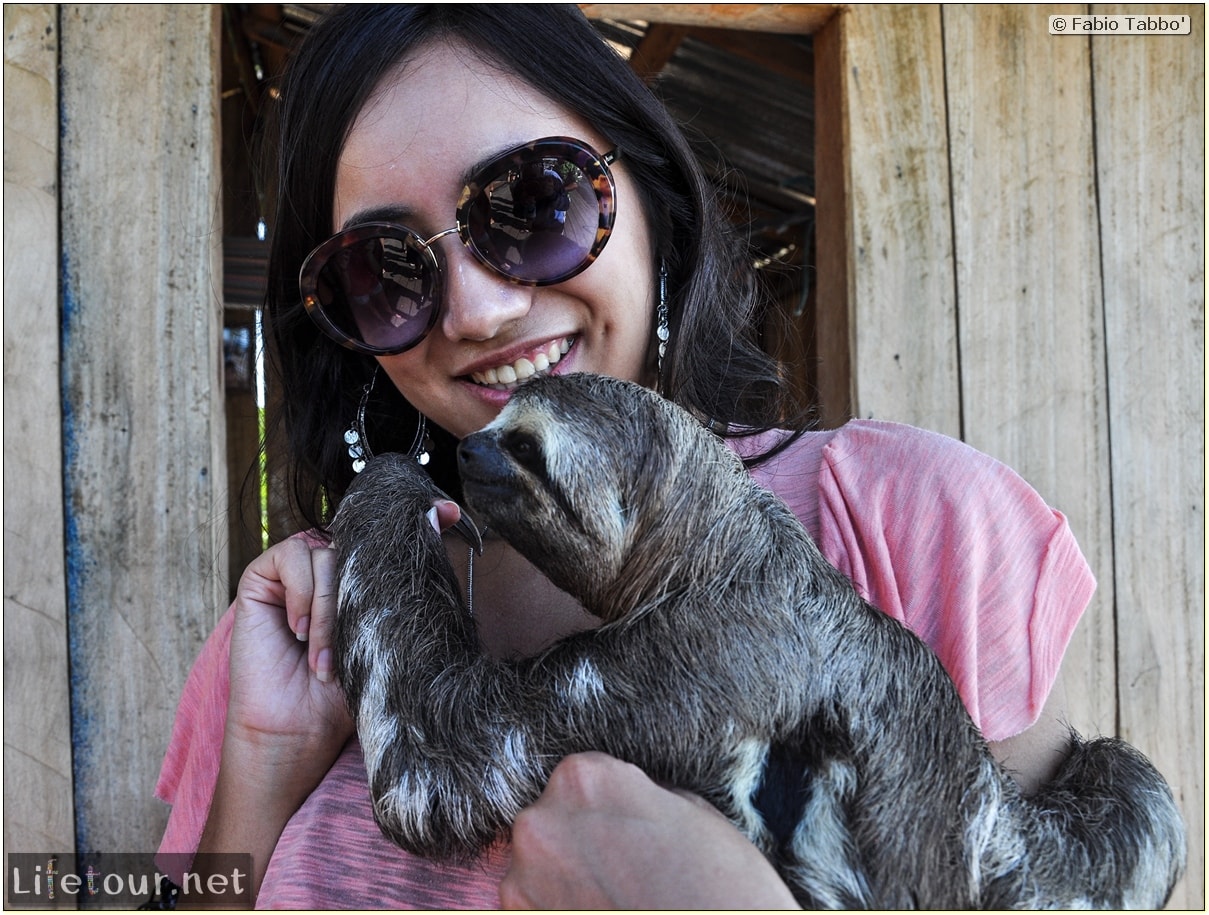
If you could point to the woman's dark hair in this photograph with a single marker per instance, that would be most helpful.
(713, 365)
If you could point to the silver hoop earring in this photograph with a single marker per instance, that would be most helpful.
(662, 331)
(358, 441)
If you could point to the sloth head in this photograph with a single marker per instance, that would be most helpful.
(592, 478)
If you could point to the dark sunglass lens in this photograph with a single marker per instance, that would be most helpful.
(379, 291)
(537, 222)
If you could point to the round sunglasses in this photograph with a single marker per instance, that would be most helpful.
(536, 215)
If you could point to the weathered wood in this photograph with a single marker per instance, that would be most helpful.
(1150, 152)
(782, 55)
(1028, 290)
(902, 335)
(37, 721)
(655, 49)
(833, 343)
(798, 18)
(144, 439)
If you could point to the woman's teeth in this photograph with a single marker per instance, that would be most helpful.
(506, 376)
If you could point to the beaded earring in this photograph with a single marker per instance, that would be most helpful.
(662, 330)
(358, 441)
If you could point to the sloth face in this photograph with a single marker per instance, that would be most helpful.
(572, 473)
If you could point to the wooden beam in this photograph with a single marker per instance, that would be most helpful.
(37, 719)
(802, 19)
(655, 49)
(146, 482)
(834, 342)
(887, 310)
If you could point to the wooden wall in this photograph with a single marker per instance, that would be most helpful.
(124, 298)
(1011, 231)
(38, 809)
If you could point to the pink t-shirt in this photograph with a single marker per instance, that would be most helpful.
(950, 542)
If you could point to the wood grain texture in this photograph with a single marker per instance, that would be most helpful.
(1076, 183)
(903, 311)
(143, 424)
(800, 18)
(1028, 289)
(1150, 151)
(37, 724)
(834, 343)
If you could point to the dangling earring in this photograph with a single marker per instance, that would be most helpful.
(418, 451)
(358, 441)
(662, 331)
(354, 436)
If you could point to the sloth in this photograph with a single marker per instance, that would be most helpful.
(731, 660)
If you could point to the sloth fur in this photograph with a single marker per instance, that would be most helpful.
(732, 660)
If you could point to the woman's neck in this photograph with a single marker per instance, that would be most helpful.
(517, 611)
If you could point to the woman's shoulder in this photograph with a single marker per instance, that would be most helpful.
(873, 440)
(916, 481)
(863, 460)
(908, 487)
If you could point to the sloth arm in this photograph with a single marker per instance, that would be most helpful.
(603, 835)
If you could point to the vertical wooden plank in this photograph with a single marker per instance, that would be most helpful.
(1028, 289)
(833, 327)
(902, 333)
(143, 425)
(1150, 152)
(37, 727)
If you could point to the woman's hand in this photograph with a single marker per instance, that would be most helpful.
(283, 696)
(286, 716)
(603, 835)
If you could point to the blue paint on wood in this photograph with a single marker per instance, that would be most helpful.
(77, 561)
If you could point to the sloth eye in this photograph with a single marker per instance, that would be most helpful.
(524, 449)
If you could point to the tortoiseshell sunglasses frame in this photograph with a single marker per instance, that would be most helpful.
(593, 165)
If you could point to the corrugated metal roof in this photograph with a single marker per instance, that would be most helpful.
(753, 123)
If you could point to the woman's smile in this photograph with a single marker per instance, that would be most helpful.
(537, 361)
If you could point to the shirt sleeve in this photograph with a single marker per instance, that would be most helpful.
(189, 773)
(964, 552)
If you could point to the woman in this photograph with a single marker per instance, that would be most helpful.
(390, 118)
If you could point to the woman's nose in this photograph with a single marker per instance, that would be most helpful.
(479, 303)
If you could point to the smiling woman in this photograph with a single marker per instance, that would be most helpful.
(457, 214)
(603, 314)
(483, 100)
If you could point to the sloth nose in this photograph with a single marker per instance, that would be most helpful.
(481, 460)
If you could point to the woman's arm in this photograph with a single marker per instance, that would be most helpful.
(286, 718)
(1033, 756)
